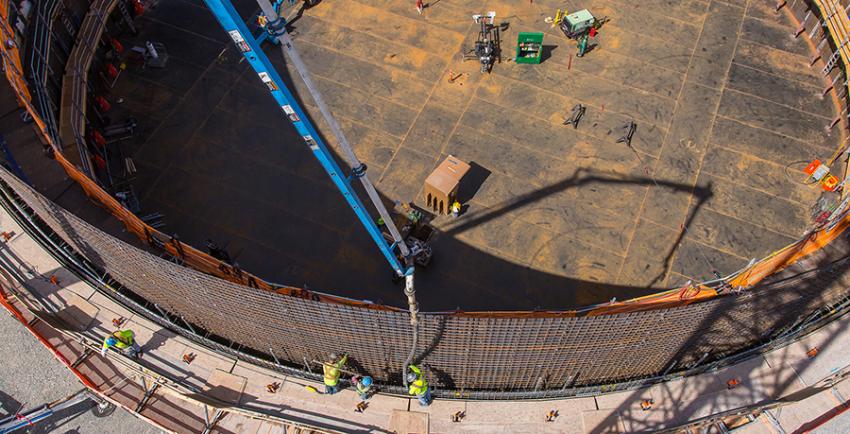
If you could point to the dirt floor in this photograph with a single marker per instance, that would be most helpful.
(727, 109)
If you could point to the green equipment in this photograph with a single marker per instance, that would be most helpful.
(529, 47)
(582, 44)
(577, 23)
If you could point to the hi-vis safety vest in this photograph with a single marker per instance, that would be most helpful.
(124, 339)
(420, 385)
(332, 372)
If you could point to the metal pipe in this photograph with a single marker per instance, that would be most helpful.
(410, 292)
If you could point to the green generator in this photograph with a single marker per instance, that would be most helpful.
(577, 23)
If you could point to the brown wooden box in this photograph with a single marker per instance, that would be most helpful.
(441, 185)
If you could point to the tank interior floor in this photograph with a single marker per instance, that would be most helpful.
(724, 101)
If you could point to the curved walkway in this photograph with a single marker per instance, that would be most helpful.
(75, 87)
(240, 389)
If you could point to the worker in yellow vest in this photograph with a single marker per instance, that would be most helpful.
(363, 386)
(124, 340)
(418, 386)
(332, 372)
(456, 208)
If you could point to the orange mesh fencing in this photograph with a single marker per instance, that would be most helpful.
(15, 58)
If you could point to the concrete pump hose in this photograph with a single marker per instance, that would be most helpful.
(414, 325)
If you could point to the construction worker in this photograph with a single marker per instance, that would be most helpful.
(419, 6)
(455, 209)
(418, 386)
(124, 340)
(363, 385)
(332, 372)
(582, 44)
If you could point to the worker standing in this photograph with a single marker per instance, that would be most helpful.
(456, 207)
(363, 385)
(582, 44)
(418, 386)
(584, 40)
(419, 6)
(124, 340)
(332, 372)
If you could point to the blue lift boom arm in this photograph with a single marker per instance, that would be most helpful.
(232, 23)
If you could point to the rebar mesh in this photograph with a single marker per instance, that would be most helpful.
(463, 352)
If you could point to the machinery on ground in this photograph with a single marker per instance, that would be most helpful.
(577, 24)
(581, 26)
(487, 48)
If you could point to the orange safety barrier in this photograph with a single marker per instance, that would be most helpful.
(789, 255)
(10, 44)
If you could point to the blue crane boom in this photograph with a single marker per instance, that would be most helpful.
(250, 47)
(233, 24)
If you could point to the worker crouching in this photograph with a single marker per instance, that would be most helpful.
(363, 385)
(418, 386)
(125, 341)
(332, 372)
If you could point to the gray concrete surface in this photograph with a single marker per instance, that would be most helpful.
(30, 376)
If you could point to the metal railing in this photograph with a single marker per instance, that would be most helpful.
(41, 72)
(76, 79)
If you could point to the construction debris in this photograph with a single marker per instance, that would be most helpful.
(273, 387)
(454, 77)
(733, 383)
(630, 127)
